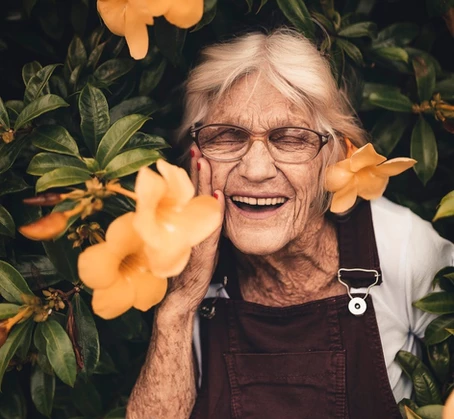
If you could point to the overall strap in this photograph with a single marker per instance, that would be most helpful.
(357, 247)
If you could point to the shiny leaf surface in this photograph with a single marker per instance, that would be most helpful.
(64, 176)
(43, 163)
(12, 285)
(130, 162)
(7, 227)
(424, 150)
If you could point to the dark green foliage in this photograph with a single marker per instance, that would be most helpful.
(74, 105)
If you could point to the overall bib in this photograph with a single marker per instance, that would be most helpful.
(310, 361)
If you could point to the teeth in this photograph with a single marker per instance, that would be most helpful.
(260, 201)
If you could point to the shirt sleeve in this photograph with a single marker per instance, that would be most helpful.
(426, 254)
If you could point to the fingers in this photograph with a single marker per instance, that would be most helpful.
(204, 178)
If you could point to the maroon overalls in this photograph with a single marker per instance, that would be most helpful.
(315, 360)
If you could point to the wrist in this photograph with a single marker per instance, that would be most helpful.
(173, 311)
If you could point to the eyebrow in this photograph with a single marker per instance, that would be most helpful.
(265, 125)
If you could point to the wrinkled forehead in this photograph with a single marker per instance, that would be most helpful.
(254, 103)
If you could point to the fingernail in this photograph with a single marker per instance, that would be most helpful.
(192, 152)
(216, 195)
(198, 166)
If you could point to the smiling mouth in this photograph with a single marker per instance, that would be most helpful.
(247, 203)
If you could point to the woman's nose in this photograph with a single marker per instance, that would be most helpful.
(257, 165)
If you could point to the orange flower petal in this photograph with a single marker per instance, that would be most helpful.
(394, 166)
(180, 188)
(113, 14)
(200, 218)
(98, 267)
(370, 186)
(150, 290)
(136, 33)
(185, 13)
(151, 7)
(170, 261)
(338, 175)
(113, 301)
(121, 237)
(365, 156)
(344, 199)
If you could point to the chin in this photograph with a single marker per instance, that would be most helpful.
(256, 243)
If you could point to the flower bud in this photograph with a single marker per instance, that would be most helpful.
(46, 228)
(45, 199)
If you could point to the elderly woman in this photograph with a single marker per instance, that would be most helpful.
(305, 312)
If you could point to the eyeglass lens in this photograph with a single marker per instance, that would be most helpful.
(285, 144)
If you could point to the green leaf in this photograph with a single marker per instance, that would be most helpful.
(446, 88)
(37, 270)
(170, 40)
(8, 310)
(431, 411)
(12, 285)
(388, 130)
(76, 57)
(36, 108)
(408, 362)
(113, 69)
(296, 12)
(10, 183)
(425, 77)
(357, 30)
(24, 347)
(209, 12)
(4, 118)
(86, 398)
(87, 334)
(9, 152)
(151, 77)
(436, 330)
(446, 207)
(410, 414)
(445, 278)
(9, 348)
(95, 55)
(390, 54)
(29, 70)
(58, 86)
(14, 108)
(59, 350)
(393, 101)
(398, 34)
(137, 105)
(38, 84)
(95, 37)
(7, 227)
(143, 140)
(437, 303)
(249, 3)
(438, 7)
(118, 413)
(74, 78)
(43, 163)
(117, 136)
(55, 138)
(130, 162)
(439, 359)
(426, 389)
(64, 176)
(63, 257)
(424, 150)
(13, 404)
(351, 50)
(406, 403)
(42, 389)
(94, 116)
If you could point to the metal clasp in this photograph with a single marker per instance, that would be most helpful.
(357, 305)
(208, 310)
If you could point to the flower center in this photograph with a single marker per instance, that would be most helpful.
(133, 263)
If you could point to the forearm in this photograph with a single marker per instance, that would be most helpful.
(166, 385)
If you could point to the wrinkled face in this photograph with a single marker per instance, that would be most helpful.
(268, 204)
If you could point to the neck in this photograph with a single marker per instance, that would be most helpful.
(304, 270)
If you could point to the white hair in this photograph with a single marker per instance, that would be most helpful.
(294, 66)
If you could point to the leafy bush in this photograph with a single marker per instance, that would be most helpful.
(75, 107)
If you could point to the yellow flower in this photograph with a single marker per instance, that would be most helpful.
(7, 324)
(169, 219)
(365, 174)
(118, 272)
(47, 227)
(130, 18)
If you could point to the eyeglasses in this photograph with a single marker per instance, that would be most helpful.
(228, 143)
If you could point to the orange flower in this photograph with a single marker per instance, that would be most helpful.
(169, 219)
(118, 272)
(130, 18)
(365, 174)
(7, 324)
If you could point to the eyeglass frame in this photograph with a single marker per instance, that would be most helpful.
(252, 137)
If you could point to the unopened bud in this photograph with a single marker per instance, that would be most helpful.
(46, 228)
(8, 136)
(45, 199)
(61, 305)
(41, 316)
